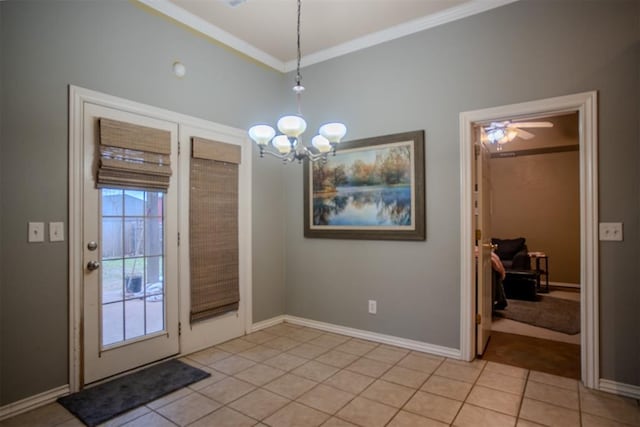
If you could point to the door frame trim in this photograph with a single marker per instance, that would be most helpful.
(78, 96)
(586, 104)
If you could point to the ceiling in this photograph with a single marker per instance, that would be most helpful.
(265, 30)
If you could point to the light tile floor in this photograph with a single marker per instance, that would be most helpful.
(289, 375)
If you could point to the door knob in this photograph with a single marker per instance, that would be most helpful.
(93, 265)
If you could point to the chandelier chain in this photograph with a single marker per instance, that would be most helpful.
(298, 77)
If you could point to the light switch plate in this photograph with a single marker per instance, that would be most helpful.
(36, 232)
(56, 231)
(611, 231)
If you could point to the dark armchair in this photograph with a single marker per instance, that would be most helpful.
(513, 253)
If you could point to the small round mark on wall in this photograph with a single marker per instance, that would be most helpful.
(179, 69)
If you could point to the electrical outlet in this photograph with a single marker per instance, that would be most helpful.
(36, 232)
(373, 306)
(611, 231)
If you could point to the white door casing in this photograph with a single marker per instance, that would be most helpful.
(79, 99)
(586, 105)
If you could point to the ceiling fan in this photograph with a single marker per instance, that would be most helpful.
(502, 132)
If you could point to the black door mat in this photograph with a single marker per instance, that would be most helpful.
(98, 404)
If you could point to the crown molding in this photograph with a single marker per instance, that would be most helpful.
(473, 7)
(165, 7)
(196, 23)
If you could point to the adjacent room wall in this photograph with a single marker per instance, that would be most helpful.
(121, 49)
(538, 197)
(524, 51)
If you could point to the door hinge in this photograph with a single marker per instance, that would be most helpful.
(179, 328)
(476, 150)
(478, 319)
(178, 148)
(478, 234)
(178, 239)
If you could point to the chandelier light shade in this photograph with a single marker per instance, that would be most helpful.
(287, 145)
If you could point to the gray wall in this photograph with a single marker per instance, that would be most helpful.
(118, 48)
(524, 51)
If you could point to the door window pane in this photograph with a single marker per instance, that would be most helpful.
(112, 273)
(134, 203)
(154, 204)
(153, 236)
(112, 202)
(133, 237)
(134, 318)
(154, 313)
(132, 286)
(112, 237)
(112, 323)
(134, 275)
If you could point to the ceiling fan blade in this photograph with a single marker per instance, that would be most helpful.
(524, 134)
(532, 125)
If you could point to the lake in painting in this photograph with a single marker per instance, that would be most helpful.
(367, 187)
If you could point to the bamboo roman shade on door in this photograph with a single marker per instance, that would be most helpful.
(133, 156)
(213, 223)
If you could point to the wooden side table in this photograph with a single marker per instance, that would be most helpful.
(542, 267)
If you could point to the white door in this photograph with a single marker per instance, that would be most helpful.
(208, 332)
(130, 287)
(484, 294)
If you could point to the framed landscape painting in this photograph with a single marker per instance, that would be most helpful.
(371, 189)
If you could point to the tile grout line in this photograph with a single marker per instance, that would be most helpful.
(475, 382)
(403, 407)
(334, 415)
(524, 389)
(416, 390)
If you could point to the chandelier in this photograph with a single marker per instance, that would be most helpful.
(288, 145)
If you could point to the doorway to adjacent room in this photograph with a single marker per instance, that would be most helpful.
(584, 106)
(534, 193)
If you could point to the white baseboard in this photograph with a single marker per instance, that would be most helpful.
(267, 323)
(437, 350)
(32, 402)
(621, 389)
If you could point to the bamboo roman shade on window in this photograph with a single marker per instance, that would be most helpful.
(213, 217)
(133, 156)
